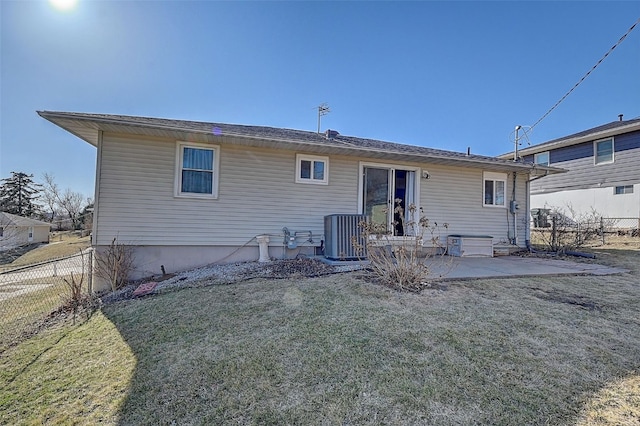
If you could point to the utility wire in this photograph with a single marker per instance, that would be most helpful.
(587, 74)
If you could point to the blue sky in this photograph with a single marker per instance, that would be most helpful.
(448, 75)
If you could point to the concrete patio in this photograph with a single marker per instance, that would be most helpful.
(515, 266)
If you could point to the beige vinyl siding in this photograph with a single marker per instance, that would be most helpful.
(40, 234)
(257, 195)
(454, 196)
(583, 173)
(19, 235)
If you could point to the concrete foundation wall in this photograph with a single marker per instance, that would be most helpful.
(150, 259)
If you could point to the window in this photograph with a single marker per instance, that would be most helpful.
(495, 188)
(603, 151)
(541, 158)
(312, 169)
(197, 170)
(625, 189)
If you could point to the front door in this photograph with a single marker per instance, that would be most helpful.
(387, 192)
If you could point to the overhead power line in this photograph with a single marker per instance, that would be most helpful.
(587, 74)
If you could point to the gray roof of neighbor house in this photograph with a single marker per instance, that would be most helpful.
(8, 219)
(88, 127)
(600, 132)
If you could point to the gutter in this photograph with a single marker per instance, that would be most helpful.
(343, 145)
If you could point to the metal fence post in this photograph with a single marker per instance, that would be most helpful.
(602, 229)
(554, 230)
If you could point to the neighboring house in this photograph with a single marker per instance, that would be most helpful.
(603, 175)
(17, 231)
(187, 193)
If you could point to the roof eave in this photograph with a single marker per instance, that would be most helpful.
(559, 143)
(91, 127)
(64, 122)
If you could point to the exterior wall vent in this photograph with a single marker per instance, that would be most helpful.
(339, 229)
(331, 134)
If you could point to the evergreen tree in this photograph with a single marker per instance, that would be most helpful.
(18, 194)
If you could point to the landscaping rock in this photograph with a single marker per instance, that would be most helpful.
(228, 274)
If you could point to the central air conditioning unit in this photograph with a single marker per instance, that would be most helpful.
(339, 230)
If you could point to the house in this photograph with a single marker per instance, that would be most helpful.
(186, 194)
(603, 171)
(18, 231)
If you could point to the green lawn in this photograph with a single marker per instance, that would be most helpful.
(339, 350)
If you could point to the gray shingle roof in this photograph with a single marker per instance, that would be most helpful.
(596, 130)
(8, 219)
(80, 123)
(605, 130)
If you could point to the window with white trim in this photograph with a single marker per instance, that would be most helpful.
(197, 170)
(312, 169)
(603, 151)
(624, 189)
(541, 158)
(494, 189)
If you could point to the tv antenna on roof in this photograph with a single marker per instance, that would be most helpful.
(323, 109)
(520, 132)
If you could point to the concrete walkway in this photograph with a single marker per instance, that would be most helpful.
(515, 266)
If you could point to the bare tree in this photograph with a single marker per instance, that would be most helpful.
(87, 215)
(50, 196)
(69, 203)
(72, 203)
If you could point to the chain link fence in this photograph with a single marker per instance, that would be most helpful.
(623, 226)
(31, 294)
(557, 232)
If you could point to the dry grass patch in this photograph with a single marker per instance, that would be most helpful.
(616, 404)
(338, 350)
(66, 375)
(21, 313)
(69, 245)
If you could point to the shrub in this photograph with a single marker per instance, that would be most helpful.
(569, 230)
(114, 264)
(75, 299)
(404, 262)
